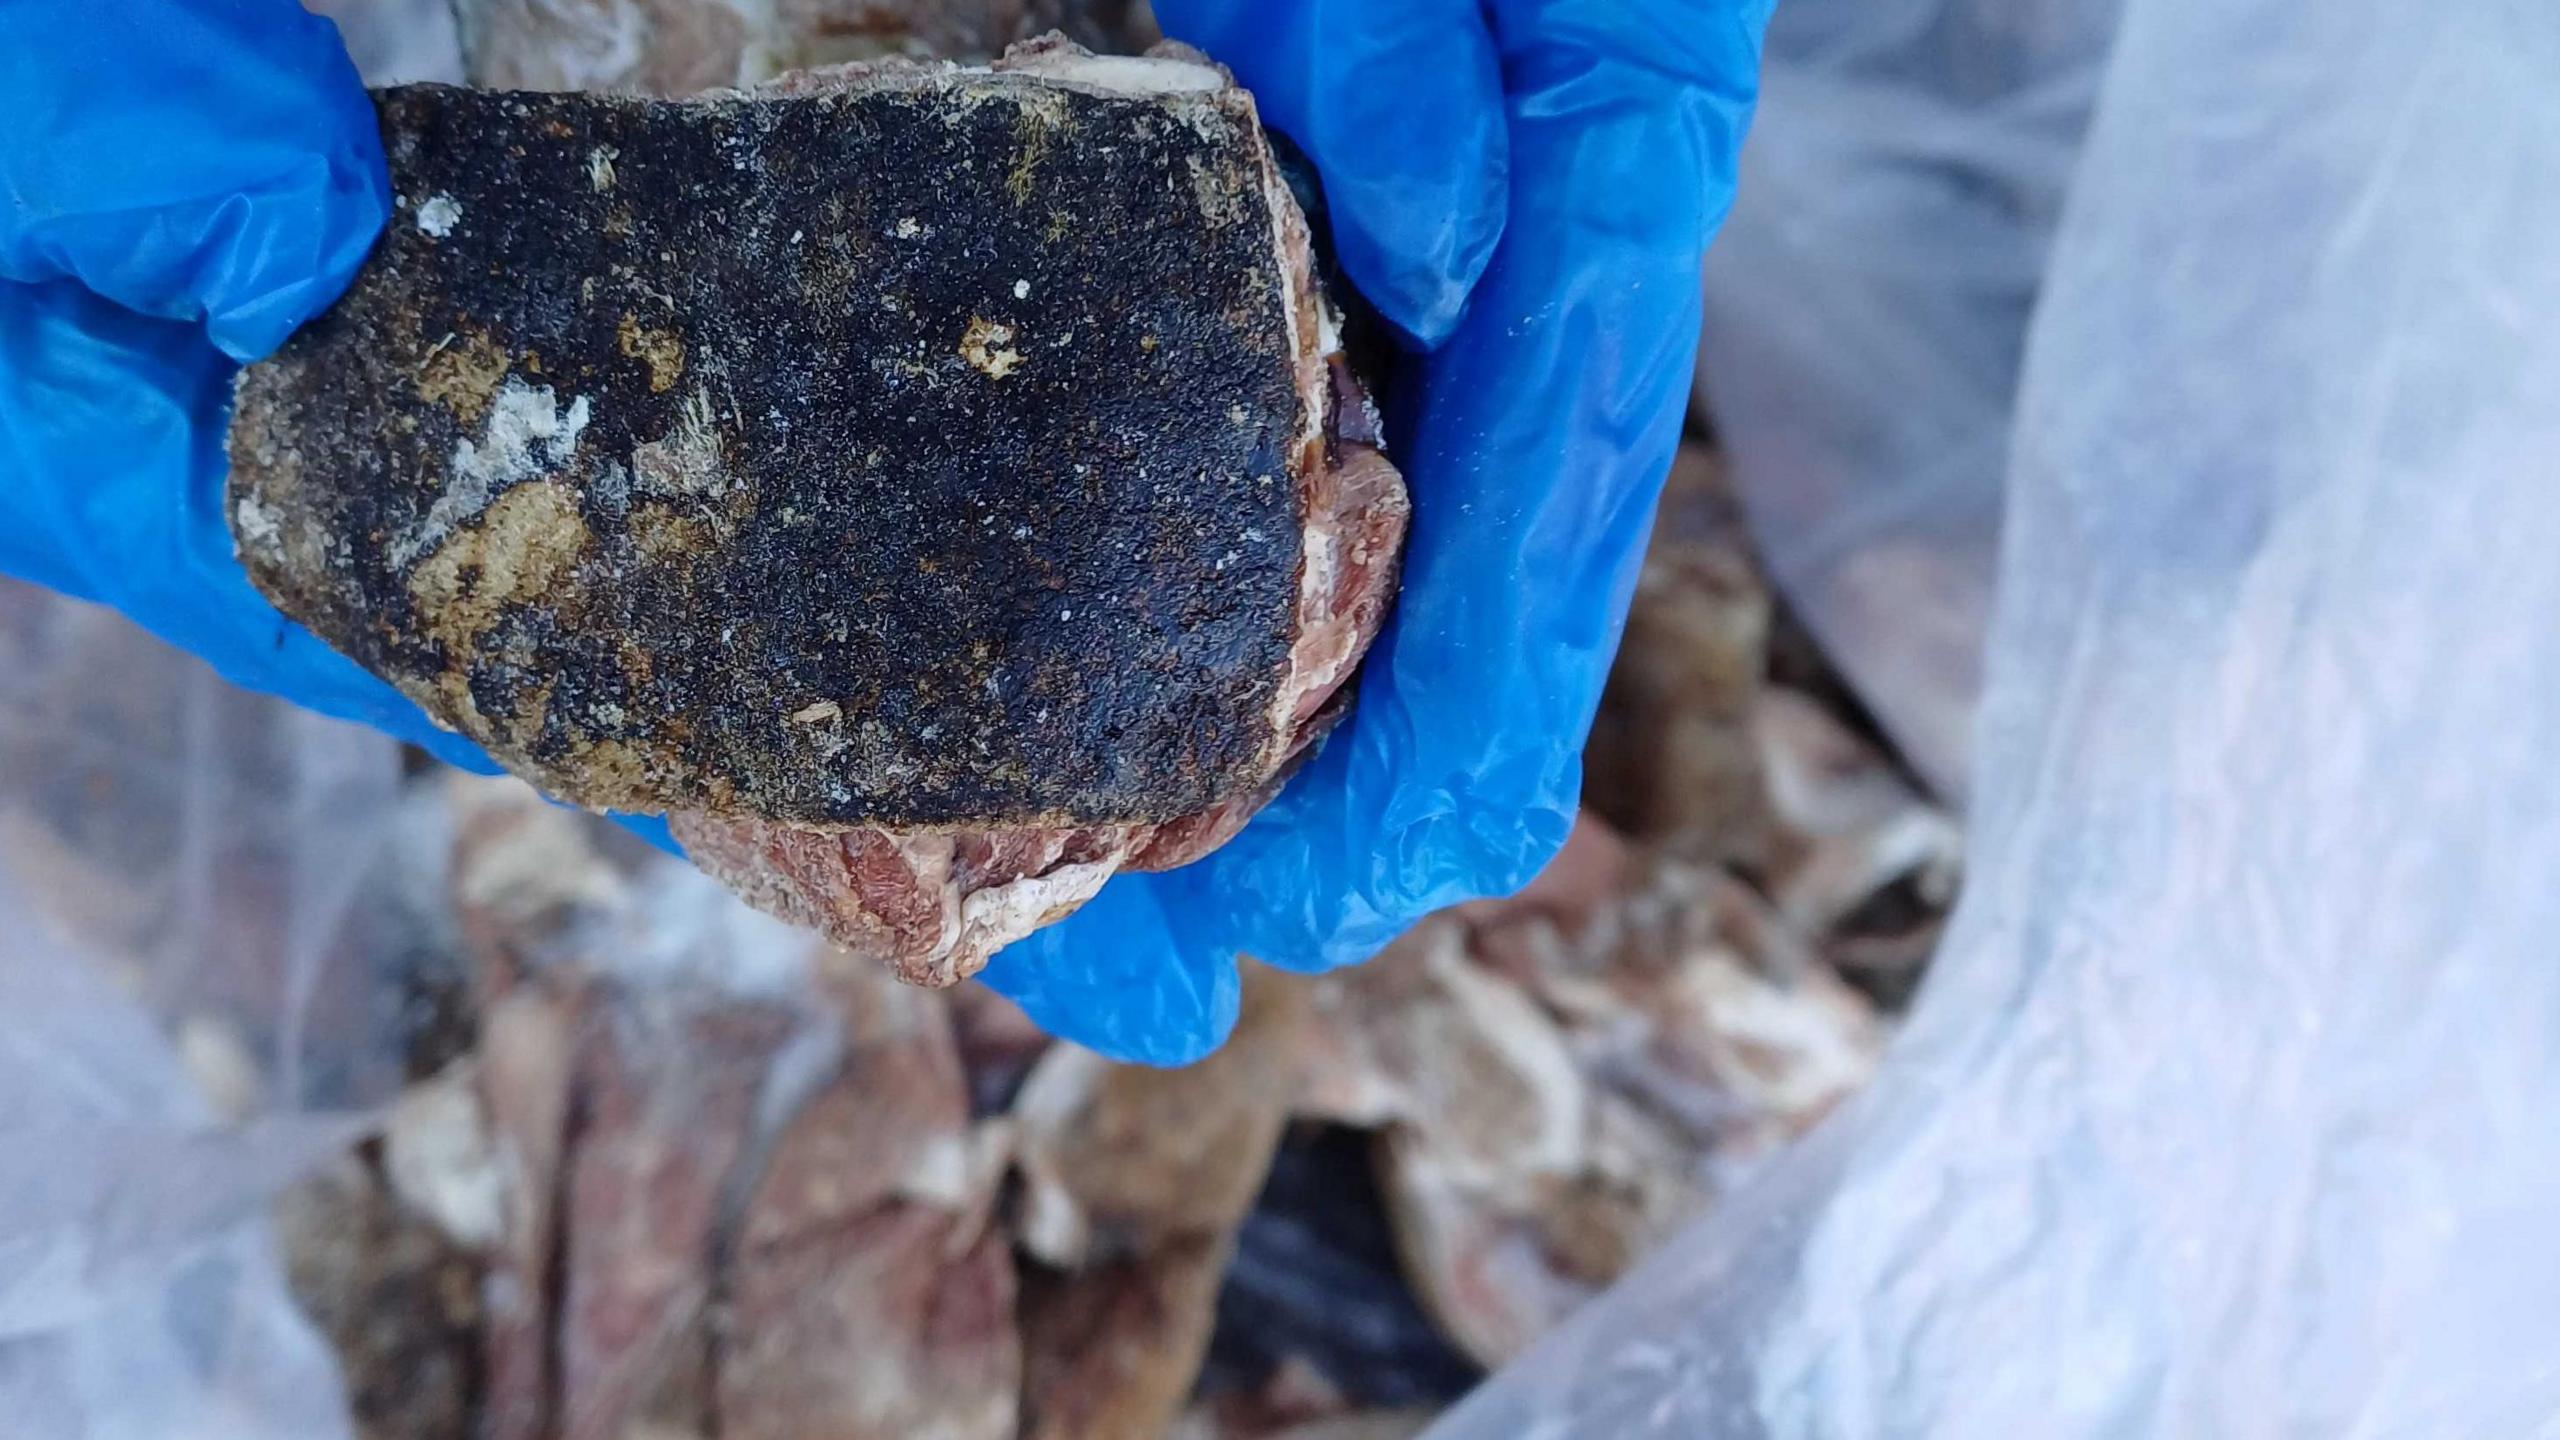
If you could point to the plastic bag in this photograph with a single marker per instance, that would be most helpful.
(2226, 1112)
(398, 42)
(230, 941)
(192, 922)
(1865, 308)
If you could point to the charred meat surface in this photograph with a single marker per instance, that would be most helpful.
(931, 487)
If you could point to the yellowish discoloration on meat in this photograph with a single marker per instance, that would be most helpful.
(988, 346)
(525, 546)
(634, 662)
(661, 350)
(461, 373)
(688, 461)
(622, 774)
(532, 708)
(664, 534)
(1044, 114)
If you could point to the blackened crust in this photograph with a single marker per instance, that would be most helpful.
(909, 457)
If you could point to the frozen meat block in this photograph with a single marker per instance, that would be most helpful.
(935, 488)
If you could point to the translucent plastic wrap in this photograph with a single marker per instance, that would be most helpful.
(1865, 308)
(398, 42)
(191, 929)
(2227, 1111)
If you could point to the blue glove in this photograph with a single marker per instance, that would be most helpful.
(187, 180)
(182, 182)
(1525, 188)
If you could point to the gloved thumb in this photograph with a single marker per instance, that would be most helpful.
(111, 466)
(187, 160)
(1400, 107)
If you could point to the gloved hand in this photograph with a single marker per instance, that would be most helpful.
(182, 182)
(1525, 188)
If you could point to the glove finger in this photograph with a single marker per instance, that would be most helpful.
(1536, 445)
(1400, 107)
(111, 472)
(1124, 976)
(188, 160)
(1568, 55)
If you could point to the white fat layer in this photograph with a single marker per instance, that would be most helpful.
(1319, 660)
(997, 915)
(1058, 68)
(1121, 74)
(979, 922)
(1320, 560)
(929, 855)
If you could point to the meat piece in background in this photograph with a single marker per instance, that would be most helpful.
(1135, 1181)
(1560, 1081)
(678, 47)
(1672, 758)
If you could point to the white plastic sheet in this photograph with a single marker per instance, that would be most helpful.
(193, 938)
(2228, 1111)
(1866, 304)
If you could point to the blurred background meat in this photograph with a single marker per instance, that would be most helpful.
(637, 1160)
(676, 47)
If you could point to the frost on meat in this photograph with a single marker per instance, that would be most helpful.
(935, 489)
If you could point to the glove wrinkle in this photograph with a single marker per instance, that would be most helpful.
(1400, 106)
(191, 161)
